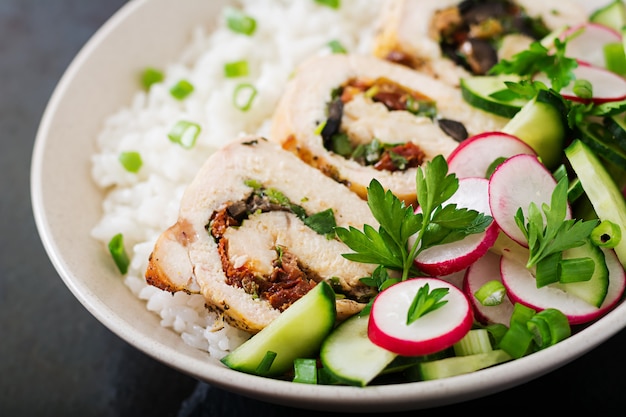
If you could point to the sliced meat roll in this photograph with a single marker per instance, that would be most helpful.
(358, 117)
(451, 39)
(254, 234)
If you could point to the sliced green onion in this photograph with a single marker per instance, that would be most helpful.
(606, 235)
(236, 69)
(475, 341)
(243, 96)
(576, 270)
(266, 363)
(558, 323)
(336, 47)
(547, 271)
(583, 89)
(185, 133)
(151, 76)
(491, 293)
(334, 4)
(239, 22)
(540, 330)
(118, 252)
(131, 161)
(181, 89)
(549, 327)
(517, 340)
(305, 371)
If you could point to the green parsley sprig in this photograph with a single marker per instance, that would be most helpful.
(426, 301)
(538, 58)
(549, 234)
(403, 233)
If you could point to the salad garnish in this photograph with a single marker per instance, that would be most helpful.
(392, 245)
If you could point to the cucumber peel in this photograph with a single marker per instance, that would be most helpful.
(297, 332)
(603, 193)
(349, 355)
(541, 124)
(478, 92)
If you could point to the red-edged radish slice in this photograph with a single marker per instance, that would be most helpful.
(517, 182)
(588, 45)
(478, 274)
(453, 257)
(606, 85)
(433, 332)
(522, 288)
(474, 156)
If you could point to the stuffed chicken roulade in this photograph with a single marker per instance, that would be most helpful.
(357, 117)
(452, 39)
(255, 233)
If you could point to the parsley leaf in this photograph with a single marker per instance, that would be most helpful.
(403, 233)
(539, 58)
(426, 301)
(556, 234)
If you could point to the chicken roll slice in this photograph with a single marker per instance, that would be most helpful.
(358, 117)
(255, 233)
(452, 39)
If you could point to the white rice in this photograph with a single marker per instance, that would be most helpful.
(142, 205)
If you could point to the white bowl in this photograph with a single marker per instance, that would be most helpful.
(67, 205)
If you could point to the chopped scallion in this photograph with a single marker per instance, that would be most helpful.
(239, 22)
(305, 371)
(334, 4)
(576, 270)
(243, 96)
(606, 235)
(131, 161)
(151, 76)
(236, 69)
(118, 252)
(491, 293)
(475, 341)
(583, 89)
(185, 133)
(181, 89)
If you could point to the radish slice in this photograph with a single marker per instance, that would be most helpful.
(587, 46)
(433, 332)
(456, 256)
(474, 156)
(607, 86)
(517, 182)
(522, 288)
(478, 274)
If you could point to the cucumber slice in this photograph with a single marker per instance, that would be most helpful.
(297, 332)
(612, 15)
(602, 142)
(349, 355)
(603, 193)
(594, 290)
(458, 365)
(477, 91)
(616, 125)
(541, 124)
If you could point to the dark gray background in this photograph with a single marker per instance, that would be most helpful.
(56, 359)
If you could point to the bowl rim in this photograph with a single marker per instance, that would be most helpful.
(396, 397)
